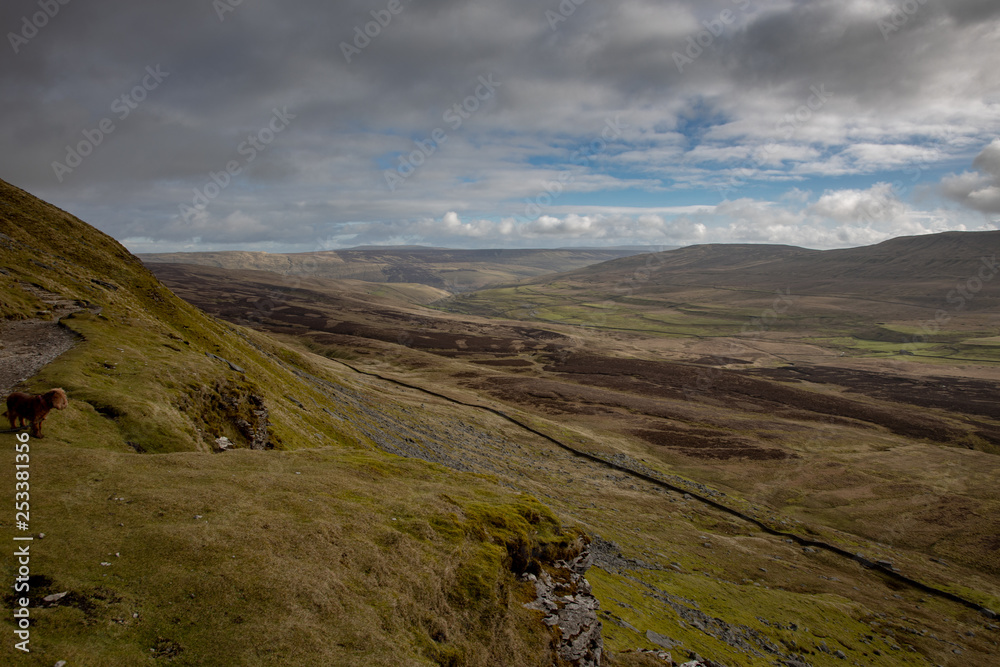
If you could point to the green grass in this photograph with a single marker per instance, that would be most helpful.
(259, 558)
(595, 312)
(990, 341)
(931, 351)
(155, 387)
(824, 618)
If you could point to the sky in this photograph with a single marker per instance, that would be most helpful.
(308, 125)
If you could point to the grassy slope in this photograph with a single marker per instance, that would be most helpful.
(726, 568)
(360, 559)
(144, 356)
(320, 557)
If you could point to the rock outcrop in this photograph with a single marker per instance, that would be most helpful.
(232, 409)
(564, 595)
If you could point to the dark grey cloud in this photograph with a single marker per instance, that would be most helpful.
(972, 11)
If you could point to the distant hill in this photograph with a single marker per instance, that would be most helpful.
(442, 268)
(866, 300)
(900, 266)
(188, 281)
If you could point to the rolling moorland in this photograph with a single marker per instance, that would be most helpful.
(809, 410)
(438, 268)
(767, 456)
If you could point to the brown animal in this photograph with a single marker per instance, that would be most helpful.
(32, 409)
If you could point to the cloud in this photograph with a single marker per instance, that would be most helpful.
(978, 190)
(876, 204)
(746, 111)
(836, 219)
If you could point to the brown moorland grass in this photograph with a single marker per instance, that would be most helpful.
(263, 558)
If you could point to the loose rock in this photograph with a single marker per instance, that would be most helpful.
(575, 614)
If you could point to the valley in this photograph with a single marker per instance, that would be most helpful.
(820, 410)
(437, 268)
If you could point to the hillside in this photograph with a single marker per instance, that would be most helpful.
(931, 296)
(905, 268)
(305, 543)
(139, 387)
(441, 268)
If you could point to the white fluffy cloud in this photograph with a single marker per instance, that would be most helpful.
(837, 218)
(878, 203)
(979, 190)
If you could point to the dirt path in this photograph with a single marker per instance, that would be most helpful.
(26, 346)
